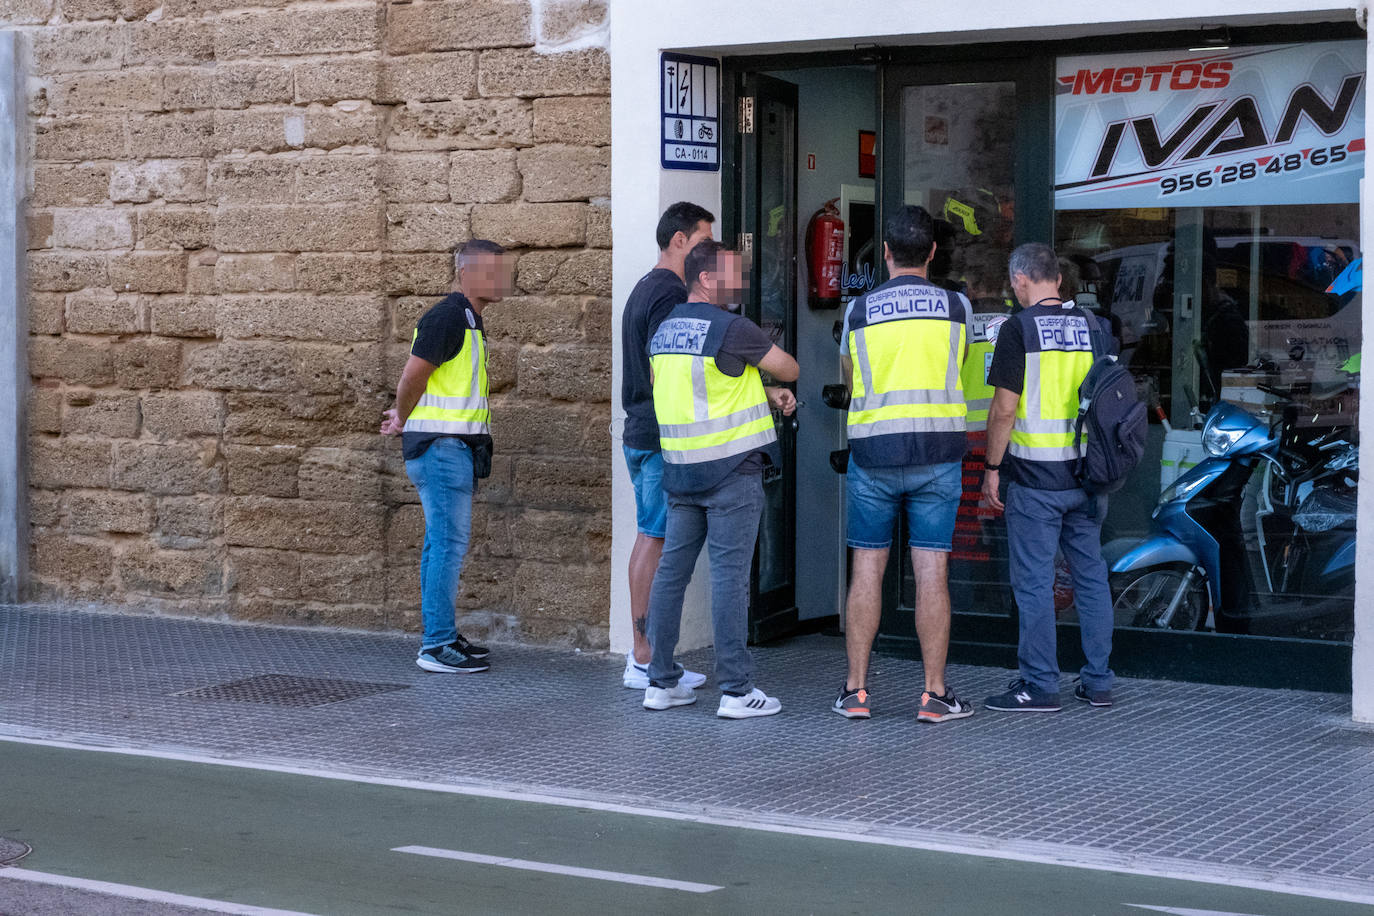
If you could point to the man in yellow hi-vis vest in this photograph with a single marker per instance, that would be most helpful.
(984, 274)
(1043, 354)
(901, 354)
(716, 430)
(442, 416)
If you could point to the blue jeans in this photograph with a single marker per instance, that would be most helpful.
(929, 492)
(443, 477)
(726, 520)
(1038, 522)
(651, 505)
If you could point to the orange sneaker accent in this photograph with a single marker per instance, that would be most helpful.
(925, 698)
(863, 696)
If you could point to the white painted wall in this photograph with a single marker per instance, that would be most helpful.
(641, 29)
(640, 192)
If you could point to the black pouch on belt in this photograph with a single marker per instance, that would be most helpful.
(481, 460)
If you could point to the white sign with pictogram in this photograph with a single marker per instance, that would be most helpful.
(690, 112)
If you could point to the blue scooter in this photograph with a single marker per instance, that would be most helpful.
(1195, 557)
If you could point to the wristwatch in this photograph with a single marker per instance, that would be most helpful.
(991, 467)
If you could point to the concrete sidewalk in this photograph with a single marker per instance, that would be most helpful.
(1219, 783)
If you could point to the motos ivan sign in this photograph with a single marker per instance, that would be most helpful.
(1236, 127)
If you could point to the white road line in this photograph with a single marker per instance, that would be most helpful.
(1186, 911)
(1295, 883)
(141, 893)
(526, 865)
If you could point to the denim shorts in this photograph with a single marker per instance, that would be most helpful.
(930, 493)
(651, 505)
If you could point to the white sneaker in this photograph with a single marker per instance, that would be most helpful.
(668, 697)
(636, 676)
(754, 703)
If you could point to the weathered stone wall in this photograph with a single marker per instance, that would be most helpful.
(238, 211)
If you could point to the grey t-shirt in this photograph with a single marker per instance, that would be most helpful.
(744, 345)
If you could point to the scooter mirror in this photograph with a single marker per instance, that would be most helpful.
(836, 396)
(836, 330)
(839, 461)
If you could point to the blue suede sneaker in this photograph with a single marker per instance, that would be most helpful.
(1099, 698)
(1021, 696)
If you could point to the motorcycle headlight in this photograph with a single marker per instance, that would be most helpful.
(1218, 442)
(1181, 489)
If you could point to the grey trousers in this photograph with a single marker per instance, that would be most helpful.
(726, 520)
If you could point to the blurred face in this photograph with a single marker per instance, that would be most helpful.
(729, 281)
(488, 276)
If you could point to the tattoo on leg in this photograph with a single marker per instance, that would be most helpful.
(642, 625)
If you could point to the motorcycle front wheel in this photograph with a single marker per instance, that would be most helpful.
(1141, 598)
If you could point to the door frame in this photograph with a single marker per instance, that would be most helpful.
(772, 615)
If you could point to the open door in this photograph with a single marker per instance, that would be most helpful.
(767, 206)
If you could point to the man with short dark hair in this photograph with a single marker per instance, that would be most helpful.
(1043, 354)
(902, 351)
(717, 432)
(444, 421)
(658, 292)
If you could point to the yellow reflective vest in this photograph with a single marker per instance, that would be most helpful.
(708, 421)
(455, 398)
(977, 392)
(1058, 355)
(906, 340)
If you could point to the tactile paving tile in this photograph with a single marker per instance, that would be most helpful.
(1230, 776)
(288, 690)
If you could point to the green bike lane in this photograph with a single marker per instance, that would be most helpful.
(327, 846)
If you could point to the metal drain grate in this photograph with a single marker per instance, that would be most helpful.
(288, 690)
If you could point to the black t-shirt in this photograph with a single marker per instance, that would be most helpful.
(656, 294)
(440, 335)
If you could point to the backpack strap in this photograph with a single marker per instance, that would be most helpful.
(1099, 350)
(1095, 336)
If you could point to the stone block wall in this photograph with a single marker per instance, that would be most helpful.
(238, 210)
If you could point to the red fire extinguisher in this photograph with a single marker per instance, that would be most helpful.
(825, 255)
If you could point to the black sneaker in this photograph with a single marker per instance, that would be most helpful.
(448, 660)
(471, 650)
(1099, 698)
(852, 704)
(1022, 697)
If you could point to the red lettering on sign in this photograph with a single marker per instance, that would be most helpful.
(1216, 75)
(1183, 76)
(1128, 79)
(1186, 76)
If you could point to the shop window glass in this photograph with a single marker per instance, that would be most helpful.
(1214, 219)
(959, 158)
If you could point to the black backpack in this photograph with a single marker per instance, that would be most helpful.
(1112, 416)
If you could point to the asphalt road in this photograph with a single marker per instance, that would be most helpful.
(253, 838)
